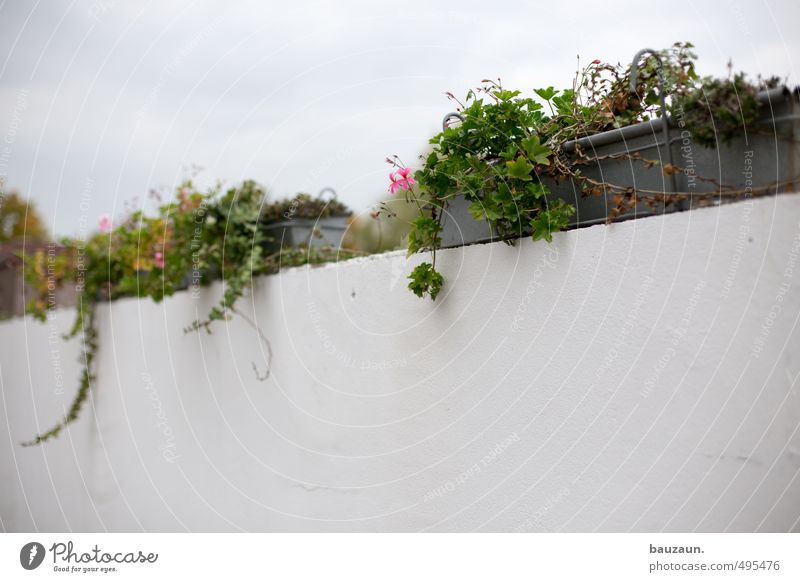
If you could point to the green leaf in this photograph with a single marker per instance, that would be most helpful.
(541, 227)
(546, 94)
(537, 190)
(425, 280)
(424, 234)
(519, 169)
(564, 102)
(555, 218)
(477, 210)
(510, 152)
(503, 195)
(537, 152)
(505, 95)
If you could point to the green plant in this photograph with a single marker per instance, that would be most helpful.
(506, 143)
(84, 324)
(303, 206)
(718, 109)
(193, 240)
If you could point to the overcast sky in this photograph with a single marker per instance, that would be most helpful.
(103, 100)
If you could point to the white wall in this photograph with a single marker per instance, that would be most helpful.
(629, 377)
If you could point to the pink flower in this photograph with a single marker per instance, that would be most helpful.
(596, 62)
(395, 184)
(158, 259)
(104, 223)
(404, 172)
(401, 180)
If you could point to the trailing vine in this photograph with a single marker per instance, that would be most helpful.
(84, 325)
(191, 241)
(506, 144)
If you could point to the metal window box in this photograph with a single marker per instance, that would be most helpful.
(764, 157)
(306, 232)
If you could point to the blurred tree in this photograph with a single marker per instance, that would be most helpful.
(385, 231)
(19, 218)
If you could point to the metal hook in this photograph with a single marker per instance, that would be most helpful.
(326, 190)
(450, 116)
(663, 99)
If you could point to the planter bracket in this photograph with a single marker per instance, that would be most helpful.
(662, 97)
(448, 117)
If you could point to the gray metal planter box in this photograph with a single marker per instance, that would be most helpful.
(764, 159)
(306, 232)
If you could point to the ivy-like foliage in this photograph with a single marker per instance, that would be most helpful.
(507, 143)
(84, 324)
(719, 109)
(234, 239)
(303, 206)
(193, 240)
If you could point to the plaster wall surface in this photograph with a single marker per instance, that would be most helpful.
(639, 376)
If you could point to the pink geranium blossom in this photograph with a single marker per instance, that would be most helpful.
(395, 185)
(401, 180)
(407, 180)
(596, 62)
(104, 223)
(158, 259)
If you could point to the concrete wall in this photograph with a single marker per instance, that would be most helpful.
(640, 376)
